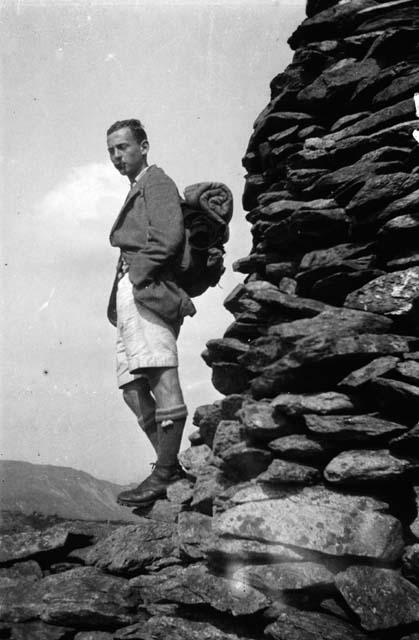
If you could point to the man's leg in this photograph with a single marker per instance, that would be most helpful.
(139, 399)
(171, 415)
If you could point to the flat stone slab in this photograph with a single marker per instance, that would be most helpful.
(410, 563)
(131, 548)
(175, 628)
(381, 598)
(209, 484)
(407, 443)
(227, 434)
(304, 526)
(285, 472)
(40, 631)
(394, 393)
(245, 461)
(367, 466)
(315, 495)
(193, 529)
(392, 295)
(372, 370)
(195, 459)
(295, 624)
(225, 550)
(71, 598)
(29, 543)
(414, 527)
(180, 492)
(300, 447)
(94, 635)
(260, 422)
(274, 579)
(197, 585)
(296, 404)
(409, 371)
(28, 571)
(352, 428)
(20, 601)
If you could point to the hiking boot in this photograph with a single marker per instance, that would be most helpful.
(152, 488)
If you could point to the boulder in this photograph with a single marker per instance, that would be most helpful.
(380, 597)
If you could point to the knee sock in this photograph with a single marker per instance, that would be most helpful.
(170, 435)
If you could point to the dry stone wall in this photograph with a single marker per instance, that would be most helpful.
(297, 518)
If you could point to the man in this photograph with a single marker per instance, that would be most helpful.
(147, 305)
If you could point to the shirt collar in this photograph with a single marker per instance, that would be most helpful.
(136, 179)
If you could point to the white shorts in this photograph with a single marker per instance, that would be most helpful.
(143, 339)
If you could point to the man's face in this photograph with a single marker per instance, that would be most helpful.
(126, 154)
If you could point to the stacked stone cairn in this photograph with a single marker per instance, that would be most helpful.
(297, 518)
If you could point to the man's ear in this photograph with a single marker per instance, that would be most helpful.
(145, 147)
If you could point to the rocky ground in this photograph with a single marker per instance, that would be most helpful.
(297, 518)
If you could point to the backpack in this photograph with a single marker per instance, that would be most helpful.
(207, 209)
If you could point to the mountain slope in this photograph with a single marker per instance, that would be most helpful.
(61, 491)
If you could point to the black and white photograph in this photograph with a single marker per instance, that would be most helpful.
(210, 320)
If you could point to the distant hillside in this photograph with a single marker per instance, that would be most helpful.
(61, 491)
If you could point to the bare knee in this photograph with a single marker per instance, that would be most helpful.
(165, 385)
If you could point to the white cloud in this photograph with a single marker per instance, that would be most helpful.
(80, 196)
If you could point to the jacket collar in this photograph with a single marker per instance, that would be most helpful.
(136, 188)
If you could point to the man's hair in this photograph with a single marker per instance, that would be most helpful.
(135, 126)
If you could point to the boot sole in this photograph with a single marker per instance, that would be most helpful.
(136, 505)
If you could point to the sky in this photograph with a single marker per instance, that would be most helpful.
(197, 73)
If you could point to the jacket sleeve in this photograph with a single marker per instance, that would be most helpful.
(165, 232)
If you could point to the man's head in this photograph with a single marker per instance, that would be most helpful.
(128, 147)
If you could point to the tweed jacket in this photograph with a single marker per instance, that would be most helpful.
(150, 233)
